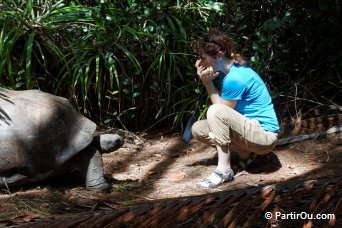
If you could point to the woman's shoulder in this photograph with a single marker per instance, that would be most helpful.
(245, 72)
(242, 72)
(236, 77)
(242, 68)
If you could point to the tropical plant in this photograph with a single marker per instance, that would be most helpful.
(130, 63)
(32, 41)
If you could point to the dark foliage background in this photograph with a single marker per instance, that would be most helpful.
(131, 64)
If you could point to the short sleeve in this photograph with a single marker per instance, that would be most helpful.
(233, 87)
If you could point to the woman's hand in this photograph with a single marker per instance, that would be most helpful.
(206, 74)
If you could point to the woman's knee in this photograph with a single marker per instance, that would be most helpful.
(212, 110)
(215, 110)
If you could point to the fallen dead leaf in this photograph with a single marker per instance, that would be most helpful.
(152, 172)
(242, 173)
(26, 218)
(177, 176)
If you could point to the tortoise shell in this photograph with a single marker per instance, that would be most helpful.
(39, 132)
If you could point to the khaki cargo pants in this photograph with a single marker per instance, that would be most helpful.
(226, 127)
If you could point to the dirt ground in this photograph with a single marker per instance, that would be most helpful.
(150, 167)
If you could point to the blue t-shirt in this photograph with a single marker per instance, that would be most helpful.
(253, 99)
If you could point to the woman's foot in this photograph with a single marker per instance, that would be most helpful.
(216, 179)
(245, 163)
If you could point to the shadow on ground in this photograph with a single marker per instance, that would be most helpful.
(164, 167)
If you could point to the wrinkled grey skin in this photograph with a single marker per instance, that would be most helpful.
(42, 135)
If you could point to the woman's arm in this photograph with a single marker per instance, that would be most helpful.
(207, 76)
(215, 97)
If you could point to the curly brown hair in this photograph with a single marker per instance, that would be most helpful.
(215, 42)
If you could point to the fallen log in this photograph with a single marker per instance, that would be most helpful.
(315, 135)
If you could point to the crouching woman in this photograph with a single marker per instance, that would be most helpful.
(242, 117)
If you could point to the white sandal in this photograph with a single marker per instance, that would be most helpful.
(216, 179)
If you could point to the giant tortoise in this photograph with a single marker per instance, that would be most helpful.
(42, 135)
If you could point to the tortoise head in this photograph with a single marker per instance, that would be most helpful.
(108, 142)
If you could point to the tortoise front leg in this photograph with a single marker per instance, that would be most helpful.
(93, 169)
